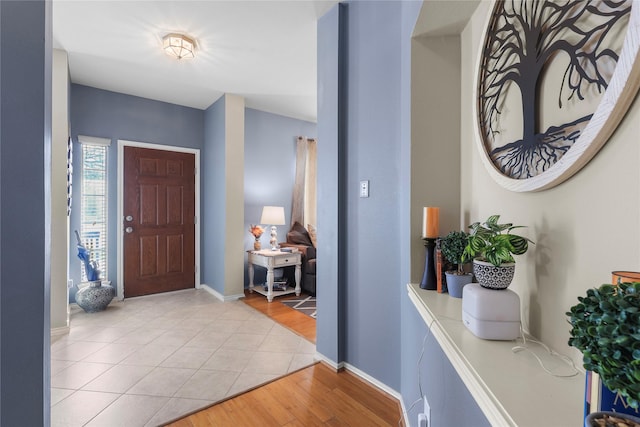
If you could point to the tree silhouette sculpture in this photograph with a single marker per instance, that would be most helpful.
(524, 37)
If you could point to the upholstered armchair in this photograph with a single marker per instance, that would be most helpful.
(299, 238)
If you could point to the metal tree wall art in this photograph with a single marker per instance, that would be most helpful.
(545, 67)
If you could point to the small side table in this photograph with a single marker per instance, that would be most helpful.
(274, 259)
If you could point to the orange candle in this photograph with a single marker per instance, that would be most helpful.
(431, 223)
(624, 276)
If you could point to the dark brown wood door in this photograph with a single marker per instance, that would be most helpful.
(159, 230)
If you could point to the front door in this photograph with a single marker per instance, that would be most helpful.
(159, 218)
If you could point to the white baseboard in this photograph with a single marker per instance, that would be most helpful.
(374, 382)
(219, 295)
(367, 378)
(405, 415)
(63, 330)
(364, 376)
(381, 386)
(335, 366)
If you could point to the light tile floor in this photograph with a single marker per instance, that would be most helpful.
(148, 360)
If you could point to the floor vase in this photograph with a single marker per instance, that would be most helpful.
(95, 297)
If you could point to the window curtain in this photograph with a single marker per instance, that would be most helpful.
(303, 208)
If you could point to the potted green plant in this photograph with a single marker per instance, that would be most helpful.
(452, 247)
(605, 327)
(491, 246)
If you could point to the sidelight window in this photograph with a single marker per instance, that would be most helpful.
(93, 205)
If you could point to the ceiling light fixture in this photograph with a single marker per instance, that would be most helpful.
(178, 46)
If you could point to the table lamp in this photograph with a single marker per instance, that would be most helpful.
(273, 215)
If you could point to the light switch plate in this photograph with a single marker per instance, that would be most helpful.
(364, 188)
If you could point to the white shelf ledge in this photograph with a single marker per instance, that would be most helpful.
(510, 388)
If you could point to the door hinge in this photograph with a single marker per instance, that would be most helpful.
(195, 220)
(195, 171)
(195, 268)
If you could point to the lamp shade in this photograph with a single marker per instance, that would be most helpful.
(272, 215)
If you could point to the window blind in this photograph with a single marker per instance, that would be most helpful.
(94, 205)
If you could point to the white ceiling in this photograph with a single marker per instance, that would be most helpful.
(262, 50)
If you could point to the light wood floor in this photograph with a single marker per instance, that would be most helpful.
(286, 316)
(313, 396)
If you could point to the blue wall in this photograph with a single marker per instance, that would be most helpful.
(364, 91)
(214, 197)
(330, 273)
(96, 112)
(25, 227)
(269, 171)
(425, 366)
(373, 153)
(359, 109)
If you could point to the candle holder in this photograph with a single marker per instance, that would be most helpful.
(429, 280)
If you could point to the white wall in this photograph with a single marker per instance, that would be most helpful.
(584, 228)
(435, 139)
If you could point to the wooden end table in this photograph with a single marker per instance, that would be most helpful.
(274, 259)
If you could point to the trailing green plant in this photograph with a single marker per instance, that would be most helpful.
(452, 246)
(606, 329)
(494, 242)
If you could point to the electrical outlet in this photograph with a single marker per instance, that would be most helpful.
(427, 410)
(424, 418)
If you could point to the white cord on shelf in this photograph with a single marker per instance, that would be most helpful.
(562, 357)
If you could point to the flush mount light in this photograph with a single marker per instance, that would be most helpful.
(179, 46)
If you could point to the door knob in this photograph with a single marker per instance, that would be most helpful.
(128, 218)
(128, 230)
